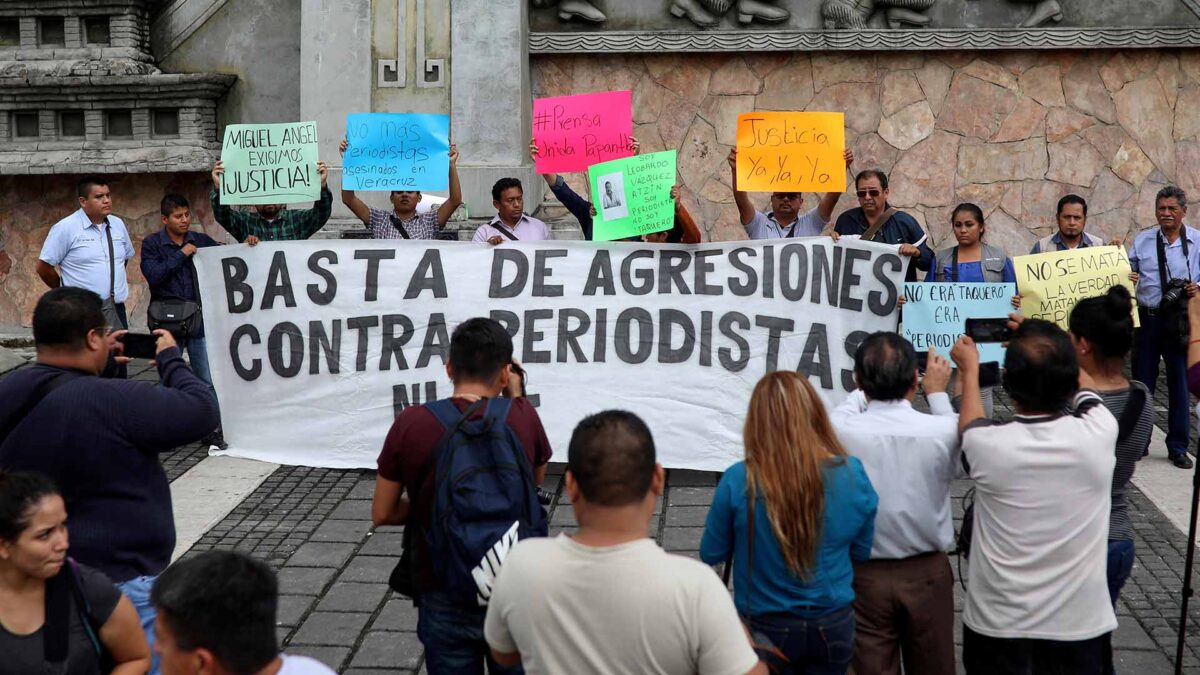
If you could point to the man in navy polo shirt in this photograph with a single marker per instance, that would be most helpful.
(170, 272)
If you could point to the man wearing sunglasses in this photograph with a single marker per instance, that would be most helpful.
(876, 220)
(784, 220)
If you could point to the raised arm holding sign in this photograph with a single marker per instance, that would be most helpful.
(270, 163)
(397, 151)
(791, 152)
(1051, 283)
(575, 132)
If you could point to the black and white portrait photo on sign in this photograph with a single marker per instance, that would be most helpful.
(612, 199)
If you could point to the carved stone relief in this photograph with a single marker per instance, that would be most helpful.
(718, 25)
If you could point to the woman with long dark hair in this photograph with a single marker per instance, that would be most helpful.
(1102, 330)
(972, 261)
(57, 616)
(813, 511)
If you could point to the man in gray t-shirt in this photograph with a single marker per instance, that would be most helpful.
(784, 220)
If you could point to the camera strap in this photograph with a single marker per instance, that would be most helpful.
(1164, 268)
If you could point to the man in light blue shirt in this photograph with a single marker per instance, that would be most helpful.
(784, 220)
(90, 249)
(1159, 255)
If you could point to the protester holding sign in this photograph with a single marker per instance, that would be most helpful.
(271, 222)
(404, 222)
(634, 194)
(791, 518)
(579, 207)
(972, 261)
(876, 220)
(1166, 267)
(784, 220)
(270, 163)
(510, 221)
(170, 273)
(683, 231)
(1071, 217)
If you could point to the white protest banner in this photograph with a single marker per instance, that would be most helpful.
(315, 346)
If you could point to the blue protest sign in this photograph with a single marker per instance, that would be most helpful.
(396, 151)
(935, 315)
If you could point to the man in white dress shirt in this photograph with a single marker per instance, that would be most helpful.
(904, 595)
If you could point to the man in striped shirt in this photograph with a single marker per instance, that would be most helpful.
(403, 221)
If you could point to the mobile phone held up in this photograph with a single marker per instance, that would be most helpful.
(139, 345)
(988, 330)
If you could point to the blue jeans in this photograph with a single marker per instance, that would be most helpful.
(1145, 370)
(198, 358)
(1120, 566)
(453, 639)
(818, 646)
(137, 590)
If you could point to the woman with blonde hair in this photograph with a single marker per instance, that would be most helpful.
(814, 511)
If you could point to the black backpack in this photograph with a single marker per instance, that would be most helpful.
(484, 501)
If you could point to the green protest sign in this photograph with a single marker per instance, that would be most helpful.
(270, 163)
(632, 196)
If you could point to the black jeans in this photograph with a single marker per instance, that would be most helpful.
(983, 655)
(1148, 349)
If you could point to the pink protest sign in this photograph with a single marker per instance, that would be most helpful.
(575, 132)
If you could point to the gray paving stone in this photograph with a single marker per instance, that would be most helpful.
(364, 489)
(352, 597)
(682, 538)
(352, 531)
(305, 580)
(320, 554)
(292, 608)
(353, 509)
(564, 517)
(690, 496)
(689, 478)
(1131, 635)
(1141, 662)
(687, 516)
(371, 569)
(339, 629)
(333, 657)
(383, 543)
(398, 614)
(388, 650)
(377, 671)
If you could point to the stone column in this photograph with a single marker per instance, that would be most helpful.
(490, 99)
(335, 75)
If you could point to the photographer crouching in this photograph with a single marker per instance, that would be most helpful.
(1166, 266)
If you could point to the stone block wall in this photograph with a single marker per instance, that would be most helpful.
(1010, 131)
(29, 205)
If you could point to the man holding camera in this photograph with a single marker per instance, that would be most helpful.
(1166, 266)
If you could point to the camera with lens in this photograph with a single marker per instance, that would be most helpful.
(1173, 315)
(1174, 294)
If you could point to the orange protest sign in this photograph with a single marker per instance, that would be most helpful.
(791, 152)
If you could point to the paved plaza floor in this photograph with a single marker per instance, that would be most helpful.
(313, 527)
